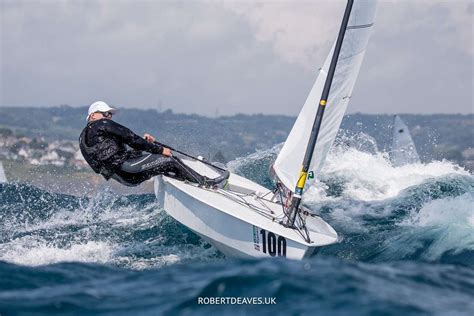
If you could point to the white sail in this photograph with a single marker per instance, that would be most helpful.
(289, 162)
(403, 148)
(3, 177)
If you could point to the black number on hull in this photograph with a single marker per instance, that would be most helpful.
(273, 244)
(281, 246)
(264, 241)
(271, 239)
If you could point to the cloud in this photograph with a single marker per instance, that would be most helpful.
(420, 53)
(299, 31)
(419, 59)
(242, 56)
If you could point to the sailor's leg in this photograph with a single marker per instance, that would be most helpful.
(149, 165)
(219, 182)
(186, 172)
(128, 179)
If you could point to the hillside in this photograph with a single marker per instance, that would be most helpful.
(436, 136)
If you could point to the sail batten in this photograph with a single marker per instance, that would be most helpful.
(289, 161)
(360, 26)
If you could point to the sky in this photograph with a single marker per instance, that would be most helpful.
(226, 57)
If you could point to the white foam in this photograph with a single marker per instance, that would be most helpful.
(368, 174)
(371, 177)
(93, 233)
(94, 212)
(448, 222)
(33, 252)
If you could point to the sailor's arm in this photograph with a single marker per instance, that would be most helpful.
(132, 139)
(151, 139)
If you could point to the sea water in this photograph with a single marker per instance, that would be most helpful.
(406, 248)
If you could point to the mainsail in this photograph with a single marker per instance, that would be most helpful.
(288, 163)
(403, 148)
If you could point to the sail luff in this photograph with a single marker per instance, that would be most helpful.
(327, 88)
(288, 165)
(296, 199)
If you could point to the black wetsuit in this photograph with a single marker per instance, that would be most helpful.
(103, 145)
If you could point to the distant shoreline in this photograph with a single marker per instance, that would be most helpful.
(436, 136)
(67, 180)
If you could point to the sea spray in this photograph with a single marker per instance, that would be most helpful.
(121, 230)
(406, 247)
(370, 202)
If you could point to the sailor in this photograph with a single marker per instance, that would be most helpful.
(116, 152)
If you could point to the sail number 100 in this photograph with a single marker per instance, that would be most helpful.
(272, 244)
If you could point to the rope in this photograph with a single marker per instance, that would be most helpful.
(300, 226)
(189, 156)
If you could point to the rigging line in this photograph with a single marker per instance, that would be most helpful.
(304, 227)
(302, 222)
(282, 200)
(263, 198)
(263, 204)
(235, 196)
(240, 200)
(189, 156)
(256, 197)
(300, 228)
(260, 199)
(266, 194)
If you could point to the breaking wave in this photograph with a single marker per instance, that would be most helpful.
(410, 227)
(39, 227)
(382, 213)
(385, 213)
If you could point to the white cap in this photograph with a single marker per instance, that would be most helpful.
(99, 106)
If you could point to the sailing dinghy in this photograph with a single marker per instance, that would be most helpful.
(403, 148)
(247, 220)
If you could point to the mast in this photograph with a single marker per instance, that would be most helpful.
(296, 199)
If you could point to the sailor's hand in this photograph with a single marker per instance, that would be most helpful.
(167, 152)
(149, 138)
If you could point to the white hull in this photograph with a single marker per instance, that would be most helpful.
(230, 221)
